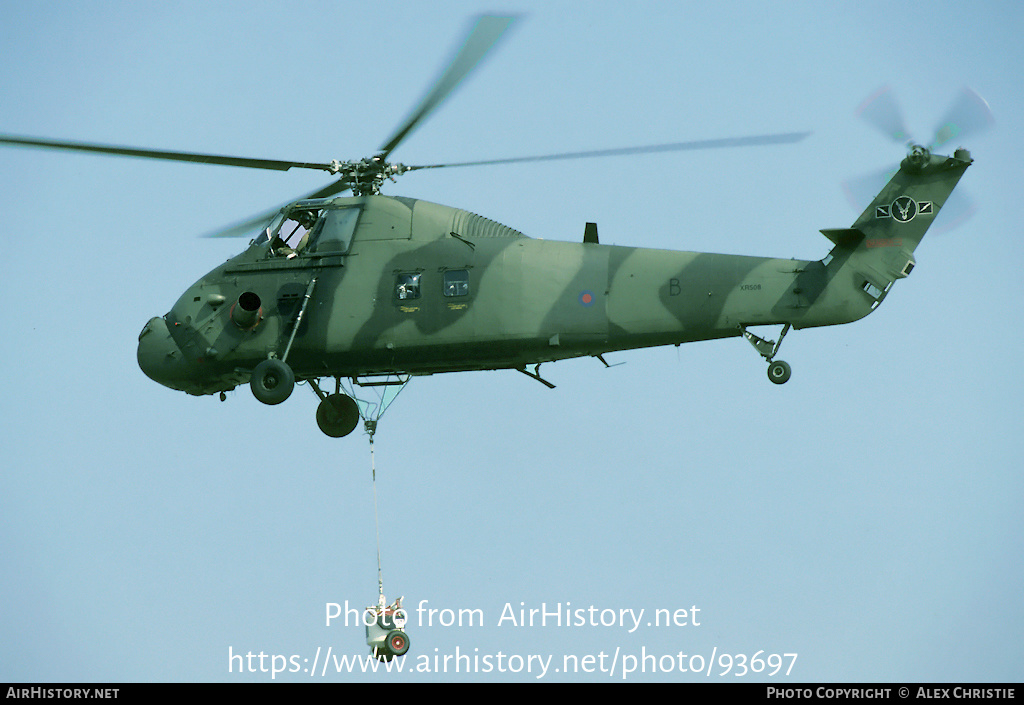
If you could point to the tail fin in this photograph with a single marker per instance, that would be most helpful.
(881, 242)
(908, 204)
(878, 248)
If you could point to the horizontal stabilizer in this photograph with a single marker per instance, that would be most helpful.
(849, 237)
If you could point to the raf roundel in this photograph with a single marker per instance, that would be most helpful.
(586, 298)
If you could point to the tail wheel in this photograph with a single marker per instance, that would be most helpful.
(272, 381)
(779, 372)
(337, 415)
(397, 642)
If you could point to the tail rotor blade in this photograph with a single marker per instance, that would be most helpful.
(969, 114)
(861, 190)
(883, 113)
(958, 209)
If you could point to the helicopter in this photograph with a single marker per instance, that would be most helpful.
(371, 290)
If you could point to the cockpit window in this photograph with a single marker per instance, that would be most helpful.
(264, 237)
(310, 229)
(291, 238)
(333, 231)
(289, 234)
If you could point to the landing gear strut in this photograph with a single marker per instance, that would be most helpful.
(272, 381)
(778, 371)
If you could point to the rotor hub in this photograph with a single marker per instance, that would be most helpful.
(366, 176)
(918, 155)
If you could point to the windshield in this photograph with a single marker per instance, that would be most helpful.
(288, 233)
(264, 236)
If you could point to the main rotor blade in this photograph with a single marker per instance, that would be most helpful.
(883, 112)
(751, 141)
(274, 164)
(485, 34)
(247, 226)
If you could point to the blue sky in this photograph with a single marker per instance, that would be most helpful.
(865, 516)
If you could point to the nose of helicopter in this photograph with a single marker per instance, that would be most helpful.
(159, 356)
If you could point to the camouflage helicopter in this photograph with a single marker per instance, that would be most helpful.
(370, 289)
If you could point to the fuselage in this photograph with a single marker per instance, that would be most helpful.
(414, 287)
(355, 287)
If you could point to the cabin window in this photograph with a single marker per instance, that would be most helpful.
(407, 287)
(456, 282)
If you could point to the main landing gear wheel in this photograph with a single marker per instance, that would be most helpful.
(272, 381)
(337, 415)
(779, 372)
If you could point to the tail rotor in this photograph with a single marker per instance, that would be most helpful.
(969, 114)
